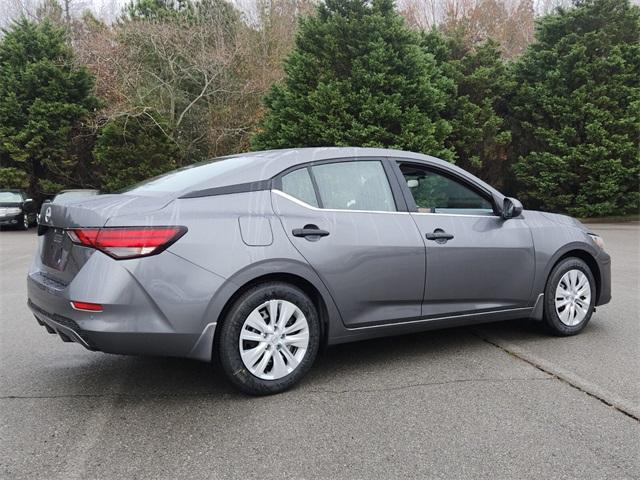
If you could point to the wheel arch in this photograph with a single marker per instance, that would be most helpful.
(584, 255)
(295, 274)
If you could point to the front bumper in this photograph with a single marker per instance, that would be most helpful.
(11, 220)
(604, 264)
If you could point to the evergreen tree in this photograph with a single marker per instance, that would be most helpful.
(131, 149)
(357, 76)
(576, 111)
(11, 177)
(476, 104)
(43, 95)
(193, 11)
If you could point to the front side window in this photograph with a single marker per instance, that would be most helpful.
(356, 185)
(436, 193)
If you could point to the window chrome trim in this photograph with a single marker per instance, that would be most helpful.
(311, 207)
(491, 215)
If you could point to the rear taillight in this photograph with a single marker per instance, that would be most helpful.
(127, 242)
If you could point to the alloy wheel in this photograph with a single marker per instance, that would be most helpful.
(573, 297)
(274, 339)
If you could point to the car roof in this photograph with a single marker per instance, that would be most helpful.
(276, 161)
(270, 163)
(254, 170)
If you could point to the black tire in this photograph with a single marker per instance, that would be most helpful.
(228, 344)
(552, 320)
(25, 222)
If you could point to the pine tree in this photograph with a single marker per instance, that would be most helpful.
(129, 150)
(476, 106)
(43, 96)
(357, 76)
(576, 111)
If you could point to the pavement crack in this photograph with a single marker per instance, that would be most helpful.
(124, 396)
(426, 384)
(555, 375)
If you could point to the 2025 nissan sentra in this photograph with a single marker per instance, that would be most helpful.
(262, 258)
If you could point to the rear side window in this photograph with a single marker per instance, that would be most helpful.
(298, 184)
(358, 185)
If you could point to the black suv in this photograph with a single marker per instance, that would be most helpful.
(17, 209)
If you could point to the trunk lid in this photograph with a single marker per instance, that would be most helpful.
(95, 211)
(62, 259)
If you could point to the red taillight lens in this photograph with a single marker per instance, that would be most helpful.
(127, 242)
(87, 307)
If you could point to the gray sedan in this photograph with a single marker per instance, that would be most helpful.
(261, 259)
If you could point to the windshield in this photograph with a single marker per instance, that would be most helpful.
(186, 177)
(12, 197)
(74, 195)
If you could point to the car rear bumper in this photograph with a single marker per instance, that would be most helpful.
(96, 331)
(67, 329)
(131, 322)
(123, 343)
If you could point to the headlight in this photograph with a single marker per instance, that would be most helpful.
(597, 239)
(13, 211)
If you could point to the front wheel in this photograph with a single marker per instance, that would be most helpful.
(569, 297)
(25, 222)
(269, 339)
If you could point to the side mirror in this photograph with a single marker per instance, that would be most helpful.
(511, 208)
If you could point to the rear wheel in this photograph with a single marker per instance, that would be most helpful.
(569, 297)
(269, 339)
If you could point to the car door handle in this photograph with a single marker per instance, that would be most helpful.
(309, 232)
(439, 236)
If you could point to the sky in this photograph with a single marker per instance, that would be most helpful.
(105, 9)
(109, 9)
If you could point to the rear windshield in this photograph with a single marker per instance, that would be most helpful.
(10, 197)
(186, 177)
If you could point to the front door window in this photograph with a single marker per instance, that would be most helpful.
(436, 193)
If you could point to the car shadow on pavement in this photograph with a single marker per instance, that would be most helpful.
(532, 331)
(444, 353)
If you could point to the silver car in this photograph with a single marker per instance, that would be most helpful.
(261, 259)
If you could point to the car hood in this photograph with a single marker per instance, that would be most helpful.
(556, 218)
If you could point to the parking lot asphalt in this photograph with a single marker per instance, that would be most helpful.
(500, 400)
